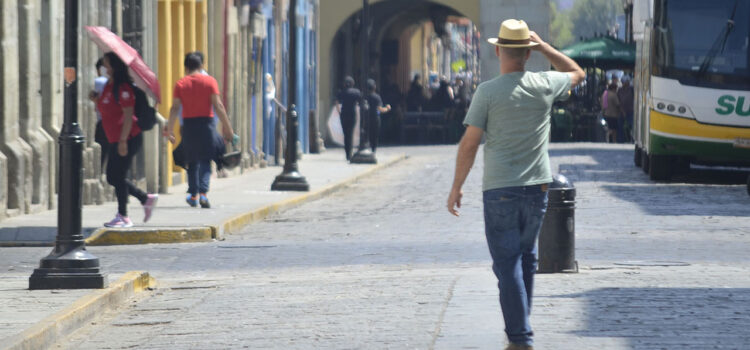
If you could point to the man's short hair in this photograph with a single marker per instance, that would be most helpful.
(192, 62)
(349, 82)
(200, 55)
(515, 53)
(99, 64)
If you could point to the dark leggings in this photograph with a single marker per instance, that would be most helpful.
(117, 171)
(374, 132)
(101, 139)
(347, 123)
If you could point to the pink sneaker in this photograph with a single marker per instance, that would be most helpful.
(148, 207)
(119, 221)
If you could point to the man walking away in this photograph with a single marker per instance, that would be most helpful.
(348, 98)
(198, 96)
(376, 107)
(513, 110)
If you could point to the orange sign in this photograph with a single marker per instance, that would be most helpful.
(70, 75)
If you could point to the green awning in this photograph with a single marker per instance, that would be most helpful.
(603, 52)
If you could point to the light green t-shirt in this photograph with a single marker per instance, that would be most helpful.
(514, 112)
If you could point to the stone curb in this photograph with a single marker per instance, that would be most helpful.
(54, 328)
(106, 236)
(236, 223)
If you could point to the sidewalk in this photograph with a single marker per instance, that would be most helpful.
(36, 319)
(235, 202)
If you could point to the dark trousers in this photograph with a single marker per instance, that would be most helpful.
(101, 139)
(199, 176)
(347, 123)
(374, 132)
(117, 171)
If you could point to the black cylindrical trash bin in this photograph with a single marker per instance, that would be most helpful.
(557, 238)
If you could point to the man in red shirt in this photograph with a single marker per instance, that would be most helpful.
(197, 93)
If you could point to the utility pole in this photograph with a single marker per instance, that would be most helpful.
(69, 265)
(290, 179)
(363, 155)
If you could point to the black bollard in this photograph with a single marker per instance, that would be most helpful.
(290, 179)
(557, 239)
(69, 265)
(363, 155)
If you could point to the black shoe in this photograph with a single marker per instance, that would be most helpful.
(204, 201)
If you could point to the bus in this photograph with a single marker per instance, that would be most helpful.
(692, 85)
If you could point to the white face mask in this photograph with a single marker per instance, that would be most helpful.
(103, 71)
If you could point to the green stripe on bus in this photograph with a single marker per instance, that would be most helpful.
(661, 145)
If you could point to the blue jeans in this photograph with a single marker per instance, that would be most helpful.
(513, 218)
(199, 176)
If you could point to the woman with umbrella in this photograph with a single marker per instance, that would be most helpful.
(116, 104)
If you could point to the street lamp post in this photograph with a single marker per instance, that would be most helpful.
(363, 155)
(290, 179)
(69, 265)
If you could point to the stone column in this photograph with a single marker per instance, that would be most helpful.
(17, 151)
(51, 82)
(243, 93)
(3, 185)
(95, 189)
(152, 151)
(42, 144)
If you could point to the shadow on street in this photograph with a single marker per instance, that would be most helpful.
(625, 171)
(662, 318)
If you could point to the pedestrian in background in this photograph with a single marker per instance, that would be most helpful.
(347, 101)
(220, 150)
(198, 96)
(415, 99)
(443, 98)
(116, 104)
(626, 94)
(612, 111)
(513, 112)
(376, 107)
(462, 101)
(99, 82)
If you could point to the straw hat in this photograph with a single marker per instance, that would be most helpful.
(513, 33)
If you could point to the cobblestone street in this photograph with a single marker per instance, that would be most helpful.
(383, 265)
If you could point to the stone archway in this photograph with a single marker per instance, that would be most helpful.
(486, 14)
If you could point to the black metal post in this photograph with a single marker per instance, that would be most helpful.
(69, 265)
(290, 179)
(363, 155)
(628, 8)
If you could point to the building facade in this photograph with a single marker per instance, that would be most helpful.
(244, 42)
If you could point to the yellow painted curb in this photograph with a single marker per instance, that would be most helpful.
(54, 328)
(105, 236)
(234, 224)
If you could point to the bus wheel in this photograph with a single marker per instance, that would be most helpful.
(660, 167)
(644, 161)
(637, 157)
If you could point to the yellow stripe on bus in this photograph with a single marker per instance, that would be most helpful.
(691, 128)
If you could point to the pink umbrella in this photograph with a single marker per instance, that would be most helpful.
(142, 75)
